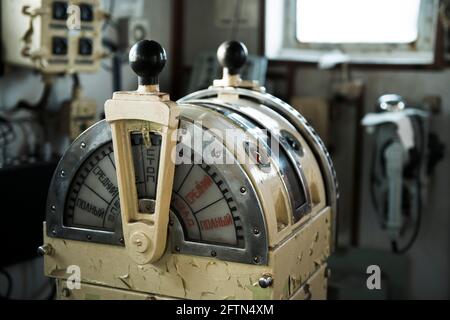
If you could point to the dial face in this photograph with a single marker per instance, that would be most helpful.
(93, 199)
(203, 202)
(201, 198)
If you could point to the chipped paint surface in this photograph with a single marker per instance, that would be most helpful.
(197, 278)
(178, 276)
(315, 288)
(311, 247)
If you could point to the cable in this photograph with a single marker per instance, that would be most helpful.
(40, 107)
(112, 47)
(415, 235)
(76, 83)
(112, 5)
(419, 163)
(9, 286)
(116, 64)
(43, 100)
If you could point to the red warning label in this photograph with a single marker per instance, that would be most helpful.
(184, 211)
(200, 189)
(216, 223)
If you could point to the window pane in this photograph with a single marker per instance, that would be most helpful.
(357, 21)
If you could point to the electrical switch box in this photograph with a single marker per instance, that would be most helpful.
(52, 36)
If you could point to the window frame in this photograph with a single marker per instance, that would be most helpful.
(282, 44)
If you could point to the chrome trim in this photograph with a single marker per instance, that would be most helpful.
(302, 125)
(256, 246)
(293, 157)
(256, 250)
(92, 139)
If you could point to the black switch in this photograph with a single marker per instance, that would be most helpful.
(85, 47)
(59, 46)
(60, 10)
(86, 12)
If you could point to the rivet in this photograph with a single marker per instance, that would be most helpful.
(83, 145)
(213, 254)
(45, 250)
(266, 281)
(63, 174)
(243, 190)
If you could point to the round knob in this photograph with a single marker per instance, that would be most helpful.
(45, 250)
(266, 281)
(140, 242)
(391, 102)
(232, 55)
(147, 59)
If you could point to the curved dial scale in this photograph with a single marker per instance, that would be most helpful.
(209, 213)
(201, 199)
(93, 199)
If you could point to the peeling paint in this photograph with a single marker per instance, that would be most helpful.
(194, 264)
(125, 282)
(205, 294)
(184, 286)
(182, 276)
(209, 264)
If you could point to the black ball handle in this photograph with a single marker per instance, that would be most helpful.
(233, 56)
(148, 59)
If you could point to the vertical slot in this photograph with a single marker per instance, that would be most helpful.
(146, 153)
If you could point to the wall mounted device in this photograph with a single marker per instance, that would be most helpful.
(61, 36)
(400, 168)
